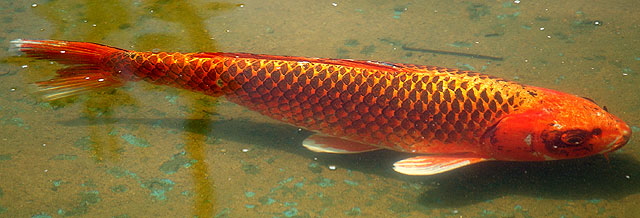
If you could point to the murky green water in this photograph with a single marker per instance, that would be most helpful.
(148, 151)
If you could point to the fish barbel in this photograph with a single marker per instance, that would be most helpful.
(449, 118)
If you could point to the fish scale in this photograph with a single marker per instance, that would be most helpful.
(411, 105)
(453, 118)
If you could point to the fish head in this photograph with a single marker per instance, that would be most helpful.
(556, 126)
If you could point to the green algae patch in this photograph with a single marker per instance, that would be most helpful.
(41, 215)
(158, 187)
(84, 143)
(135, 141)
(89, 183)
(5, 157)
(314, 167)
(351, 183)
(176, 162)
(351, 43)
(15, 121)
(119, 173)
(368, 50)
(57, 184)
(64, 157)
(90, 197)
(224, 213)
(356, 211)
(266, 200)
(291, 212)
(119, 188)
(250, 168)
(323, 182)
(249, 194)
(86, 199)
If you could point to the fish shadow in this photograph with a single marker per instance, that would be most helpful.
(590, 178)
(593, 178)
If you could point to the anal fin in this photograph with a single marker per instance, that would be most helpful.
(434, 164)
(330, 144)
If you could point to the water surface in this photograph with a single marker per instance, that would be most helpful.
(149, 151)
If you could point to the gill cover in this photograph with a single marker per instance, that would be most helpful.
(515, 137)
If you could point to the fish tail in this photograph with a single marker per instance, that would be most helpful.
(87, 66)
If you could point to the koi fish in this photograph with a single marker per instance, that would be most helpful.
(449, 118)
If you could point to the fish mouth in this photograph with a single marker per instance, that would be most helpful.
(621, 140)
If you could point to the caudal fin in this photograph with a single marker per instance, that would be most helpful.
(86, 71)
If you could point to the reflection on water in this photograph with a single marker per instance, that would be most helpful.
(142, 150)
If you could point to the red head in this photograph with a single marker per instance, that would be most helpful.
(555, 126)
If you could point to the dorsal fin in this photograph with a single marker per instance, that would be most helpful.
(383, 66)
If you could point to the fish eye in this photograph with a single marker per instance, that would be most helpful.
(569, 143)
(573, 137)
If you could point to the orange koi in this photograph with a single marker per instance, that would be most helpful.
(449, 118)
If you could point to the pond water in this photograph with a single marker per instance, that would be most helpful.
(150, 151)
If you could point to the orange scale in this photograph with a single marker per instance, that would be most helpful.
(307, 112)
(375, 110)
(393, 138)
(386, 129)
(311, 99)
(317, 109)
(341, 114)
(276, 93)
(350, 131)
(388, 112)
(331, 119)
(362, 108)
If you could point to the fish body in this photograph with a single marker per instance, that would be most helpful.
(449, 118)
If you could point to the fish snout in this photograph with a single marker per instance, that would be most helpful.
(622, 138)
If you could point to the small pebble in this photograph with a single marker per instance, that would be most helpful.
(332, 167)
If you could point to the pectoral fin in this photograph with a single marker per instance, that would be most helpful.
(330, 144)
(434, 164)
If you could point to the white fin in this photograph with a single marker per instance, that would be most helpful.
(434, 164)
(330, 144)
